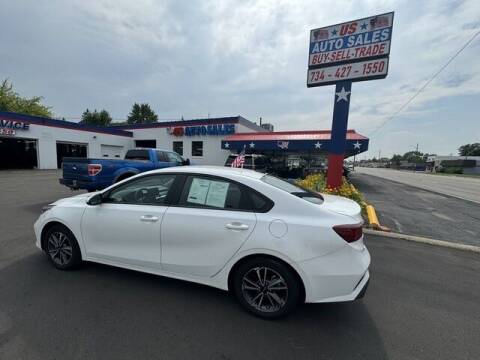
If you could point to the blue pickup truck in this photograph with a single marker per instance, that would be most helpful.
(97, 174)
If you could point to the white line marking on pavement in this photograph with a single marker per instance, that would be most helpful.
(424, 240)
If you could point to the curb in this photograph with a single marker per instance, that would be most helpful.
(424, 240)
(373, 219)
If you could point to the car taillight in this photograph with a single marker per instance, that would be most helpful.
(349, 233)
(94, 169)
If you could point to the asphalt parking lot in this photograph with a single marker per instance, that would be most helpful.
(422, 303)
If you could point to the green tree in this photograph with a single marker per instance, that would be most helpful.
(13, 102)
(141, 114)
(416, 157)
(396, 158)
(469, 149)
(96, 118)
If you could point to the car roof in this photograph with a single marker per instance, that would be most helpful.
(147, 148)
(212, 170)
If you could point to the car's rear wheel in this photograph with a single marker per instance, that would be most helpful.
(266, 287)
(62, 248)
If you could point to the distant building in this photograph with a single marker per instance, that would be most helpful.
(454, 164)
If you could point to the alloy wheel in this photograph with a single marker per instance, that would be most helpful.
(59, 248)
(264, 289)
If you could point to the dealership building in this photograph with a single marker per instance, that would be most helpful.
(36, 142)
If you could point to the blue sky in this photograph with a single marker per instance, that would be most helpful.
(194, 58)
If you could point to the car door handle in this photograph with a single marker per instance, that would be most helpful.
(236, 226)
(148, 218)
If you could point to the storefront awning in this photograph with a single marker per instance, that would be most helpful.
(291, 141)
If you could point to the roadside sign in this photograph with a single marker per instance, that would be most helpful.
(350, 42)
(340, 54)
(359, 71)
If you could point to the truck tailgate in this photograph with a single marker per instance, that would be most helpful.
(76, 168)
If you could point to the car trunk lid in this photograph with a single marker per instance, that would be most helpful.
(341, 205)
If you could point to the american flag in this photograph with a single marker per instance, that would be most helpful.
(320, 35)
(379, 21)
(239, 160)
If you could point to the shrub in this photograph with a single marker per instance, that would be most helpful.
(317, 182)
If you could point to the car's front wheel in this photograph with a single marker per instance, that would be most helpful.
(266, 287)
(62, 248)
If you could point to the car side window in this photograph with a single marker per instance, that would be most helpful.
(259, 203)
(147, 190)
(162, 156)
(172, 157)
(213, 193)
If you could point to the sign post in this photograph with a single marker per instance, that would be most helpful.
(339, 133)
(341, 54)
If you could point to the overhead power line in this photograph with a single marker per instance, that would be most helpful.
(425, 85)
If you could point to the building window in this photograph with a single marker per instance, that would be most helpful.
(146, 143)
(178, 147)
(197, 148)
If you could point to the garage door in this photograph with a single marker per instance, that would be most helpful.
(112, 151)
(18, 153)
(66, 149)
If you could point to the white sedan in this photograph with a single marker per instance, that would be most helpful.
(269, 242)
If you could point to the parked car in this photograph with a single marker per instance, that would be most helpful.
(267, 241)
(97, 174)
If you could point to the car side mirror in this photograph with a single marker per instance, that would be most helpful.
(186, 162)
(95, 200)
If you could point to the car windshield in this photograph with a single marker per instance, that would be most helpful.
(293, 189)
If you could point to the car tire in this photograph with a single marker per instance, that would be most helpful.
(61, 248)
(266, 287)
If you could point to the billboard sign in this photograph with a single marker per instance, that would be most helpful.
(363, 70)
(355, 41)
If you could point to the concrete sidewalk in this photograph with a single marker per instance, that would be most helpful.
(466, 188)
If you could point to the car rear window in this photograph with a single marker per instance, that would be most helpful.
(293, 189)
(137, 155)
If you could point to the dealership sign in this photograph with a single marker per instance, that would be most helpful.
(365, 42)
(222, 129)
(341, 54)
(9, 127)
(373, 69)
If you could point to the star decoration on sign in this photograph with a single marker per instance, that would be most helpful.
(364, 26)
(342, 95)
(226, 145)
(334, 32)
(252, 145)
(318, 145)
(357, 145)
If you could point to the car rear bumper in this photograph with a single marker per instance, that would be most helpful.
(340, 276)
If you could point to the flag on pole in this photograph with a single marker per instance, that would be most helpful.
(239, 160)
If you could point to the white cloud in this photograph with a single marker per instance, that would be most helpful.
(226, 57)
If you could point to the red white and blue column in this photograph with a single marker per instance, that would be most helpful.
(339, 134)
